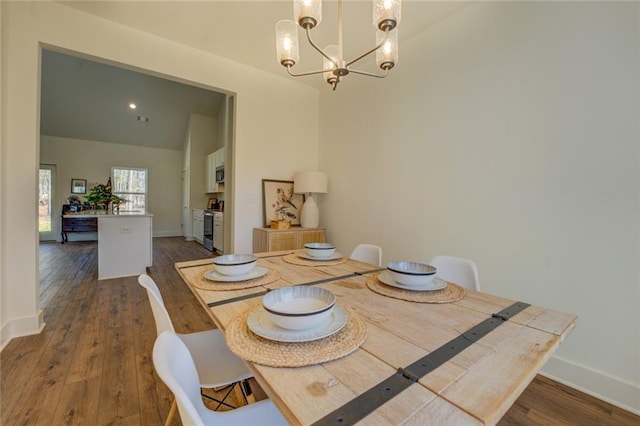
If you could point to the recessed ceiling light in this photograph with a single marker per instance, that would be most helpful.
(132, 105)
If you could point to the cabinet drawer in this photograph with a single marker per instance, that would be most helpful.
(316, 236)
(89, 224)
(282, 241)
(267, 239)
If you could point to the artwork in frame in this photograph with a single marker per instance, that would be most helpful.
(78, 186)
(279, 202)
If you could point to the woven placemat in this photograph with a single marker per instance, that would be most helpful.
(204, 284)
(294, 259)
(451, 293)
(254, 348)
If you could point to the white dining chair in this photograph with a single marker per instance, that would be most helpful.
(175, 366)
(216, 365)
(368, 253)
(463, 272)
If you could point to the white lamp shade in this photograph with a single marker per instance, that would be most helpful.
(287, 42)
(331, 51)
(387, 54)
(307, 9)
(386, 10)
(310, 181)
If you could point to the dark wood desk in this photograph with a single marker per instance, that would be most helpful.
(71, 223)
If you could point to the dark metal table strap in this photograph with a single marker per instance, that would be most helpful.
(194, 266)
(367, 402)
(236, 299)
(262, 293)
(276, 255)
(328, 280)
(209, 261)
(370, 271)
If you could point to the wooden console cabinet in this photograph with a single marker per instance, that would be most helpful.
(267, 239)
(78, 224)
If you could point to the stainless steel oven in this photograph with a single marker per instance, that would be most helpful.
(207, 239)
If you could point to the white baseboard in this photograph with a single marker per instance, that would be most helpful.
(18, 327)
(167, 233)
(597, 384)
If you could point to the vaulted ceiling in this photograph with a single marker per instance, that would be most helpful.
(89, 100)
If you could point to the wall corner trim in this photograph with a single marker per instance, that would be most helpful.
(18, 327)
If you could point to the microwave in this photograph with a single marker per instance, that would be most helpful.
(220, 174)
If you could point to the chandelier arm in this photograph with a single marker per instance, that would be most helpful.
(306, 73)
(320, 50)
(370, 51)
(386, 73)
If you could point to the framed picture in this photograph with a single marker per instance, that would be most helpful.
(211, 203)
(279, 202)
(78, 186)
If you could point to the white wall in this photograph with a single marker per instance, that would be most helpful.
(2, 215)
(203, 138)
(508, 134)
(266, 105)
(91, 160)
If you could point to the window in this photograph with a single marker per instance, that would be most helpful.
(130, 184)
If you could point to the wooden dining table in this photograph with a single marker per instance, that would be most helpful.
(463, 362)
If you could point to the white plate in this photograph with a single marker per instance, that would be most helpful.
(256, 272)
(334, 256)
(435, 284)
(260, 324)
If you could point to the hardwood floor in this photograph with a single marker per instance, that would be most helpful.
(92, 365)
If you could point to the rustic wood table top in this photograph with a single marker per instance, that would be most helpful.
(475, 385)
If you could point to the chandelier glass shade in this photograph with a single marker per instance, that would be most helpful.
(308, 15)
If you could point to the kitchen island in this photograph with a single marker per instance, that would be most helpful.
(125, 244)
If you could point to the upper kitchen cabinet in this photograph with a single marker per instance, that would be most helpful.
(215, 171)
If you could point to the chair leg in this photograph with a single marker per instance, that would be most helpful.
(240, 396)
(172, 412)
(243, 395)
(220, 402)
(249, 397)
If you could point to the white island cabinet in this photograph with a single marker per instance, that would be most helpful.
(125, 245)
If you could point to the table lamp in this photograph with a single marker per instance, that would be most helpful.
(310, 182)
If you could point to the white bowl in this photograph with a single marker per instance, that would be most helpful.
(411, 273)
(320, 250)
(299, 307)
(235, 264)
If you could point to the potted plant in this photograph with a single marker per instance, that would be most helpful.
(100, 197)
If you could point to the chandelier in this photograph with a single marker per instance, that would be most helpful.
(308, 14)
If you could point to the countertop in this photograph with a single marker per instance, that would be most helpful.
(110, 216)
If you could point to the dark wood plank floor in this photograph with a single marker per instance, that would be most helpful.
(92, 365)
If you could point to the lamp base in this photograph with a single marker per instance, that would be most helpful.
(309, 214)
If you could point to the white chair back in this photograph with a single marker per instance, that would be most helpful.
(368, 253)
(175, 366)
(173, 363)
(463, 272)
(160, 313)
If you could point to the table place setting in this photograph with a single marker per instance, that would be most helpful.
(333, 346)
(296, 326)
(414, 282)
(235, 272)
(316, 254)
